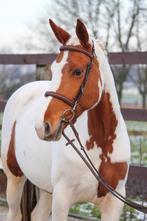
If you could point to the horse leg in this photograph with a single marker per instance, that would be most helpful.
(62, 200)
(43, 208)
(14, 193)
(111, 207)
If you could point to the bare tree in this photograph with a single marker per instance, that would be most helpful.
(65, 13)
(124, 35)
(111, 21)
(12, 77)
(140, 81)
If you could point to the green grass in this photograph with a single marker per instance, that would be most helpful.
(138, 143)
(85, 210)
(136, 125)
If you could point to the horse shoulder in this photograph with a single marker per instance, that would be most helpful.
(14, 108)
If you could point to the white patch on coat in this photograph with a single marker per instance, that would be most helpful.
(56, 69)
(73, 41)
(107, 76)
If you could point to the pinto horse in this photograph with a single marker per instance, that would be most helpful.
(33, 146)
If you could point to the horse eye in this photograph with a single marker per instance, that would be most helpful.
(77, 72)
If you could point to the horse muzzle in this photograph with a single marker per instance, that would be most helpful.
(47, 133)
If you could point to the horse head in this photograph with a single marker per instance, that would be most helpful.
(79, 82)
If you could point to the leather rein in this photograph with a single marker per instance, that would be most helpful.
(73, 104)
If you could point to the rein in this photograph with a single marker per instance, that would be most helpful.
(95, 172)
(73, 104)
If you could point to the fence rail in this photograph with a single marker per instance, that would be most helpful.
(42, 59)
(137, 175)
(131, 114)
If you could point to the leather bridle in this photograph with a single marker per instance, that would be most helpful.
(73, 104)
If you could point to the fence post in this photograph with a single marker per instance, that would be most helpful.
(43, 72)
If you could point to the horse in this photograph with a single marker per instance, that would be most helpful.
(33, 147)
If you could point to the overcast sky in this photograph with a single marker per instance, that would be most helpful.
(14, 17)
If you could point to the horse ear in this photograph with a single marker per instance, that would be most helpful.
(61, 35)
(82, 33)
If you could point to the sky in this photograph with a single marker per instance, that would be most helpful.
(14, 17)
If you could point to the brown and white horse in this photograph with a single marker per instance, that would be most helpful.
(33, 146)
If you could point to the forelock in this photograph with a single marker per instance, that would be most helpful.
(73, 41)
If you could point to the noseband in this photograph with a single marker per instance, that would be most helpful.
(73, 103)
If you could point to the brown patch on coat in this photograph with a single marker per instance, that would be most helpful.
(11, 157)
(102, 124)
(70, 85)
(111, 173)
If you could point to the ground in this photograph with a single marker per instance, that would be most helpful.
(3, 213)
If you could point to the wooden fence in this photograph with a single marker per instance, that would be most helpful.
(137, 175)
(42, 59)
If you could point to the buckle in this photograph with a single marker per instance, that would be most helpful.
(69, 112)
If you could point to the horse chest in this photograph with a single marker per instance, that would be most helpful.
(44, 163)
(33, 155)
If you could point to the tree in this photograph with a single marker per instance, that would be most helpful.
(57, 9)
(124, 35)
(140, 81)
(12, 77)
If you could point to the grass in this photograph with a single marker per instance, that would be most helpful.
(85, 210)
(136, 125)
(138, 143)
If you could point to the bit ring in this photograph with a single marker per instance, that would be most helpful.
(66, 112)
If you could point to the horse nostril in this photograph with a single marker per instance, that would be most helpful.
(47, 129)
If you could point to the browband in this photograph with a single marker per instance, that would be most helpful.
(73, 48)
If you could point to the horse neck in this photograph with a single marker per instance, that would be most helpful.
(106, 116)
(107, 79)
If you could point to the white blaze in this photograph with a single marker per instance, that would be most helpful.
(56, 69)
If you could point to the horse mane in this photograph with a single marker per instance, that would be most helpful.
(108, 83)
(101, 45)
